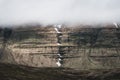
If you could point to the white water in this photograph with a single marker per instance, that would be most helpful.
(60, 55)
(56, 30)
(59, 59)
(116, 25)
(58, 44)
(58, 63)
(57, 27)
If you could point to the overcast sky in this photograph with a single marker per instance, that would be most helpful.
(59, 11)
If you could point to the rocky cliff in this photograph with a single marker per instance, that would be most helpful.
(83, 48)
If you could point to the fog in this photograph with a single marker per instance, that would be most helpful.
(16, 12)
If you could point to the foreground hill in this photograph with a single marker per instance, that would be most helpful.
(15, 72)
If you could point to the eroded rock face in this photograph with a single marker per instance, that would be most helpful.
(83, 48)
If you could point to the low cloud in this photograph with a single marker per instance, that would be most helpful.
(58, 11)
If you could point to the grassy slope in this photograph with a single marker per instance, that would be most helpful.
(15, 72)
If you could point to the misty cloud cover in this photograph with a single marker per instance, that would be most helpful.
(59, 11)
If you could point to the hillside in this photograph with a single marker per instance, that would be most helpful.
(15, 72)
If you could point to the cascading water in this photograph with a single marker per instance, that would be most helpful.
(117, 29)
(116, 25)
(59, 37)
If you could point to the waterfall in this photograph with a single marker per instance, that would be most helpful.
(116, 25)
(57, 29)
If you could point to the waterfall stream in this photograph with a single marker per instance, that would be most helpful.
(57, 29)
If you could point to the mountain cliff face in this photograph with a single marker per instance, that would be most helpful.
(83, 48)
